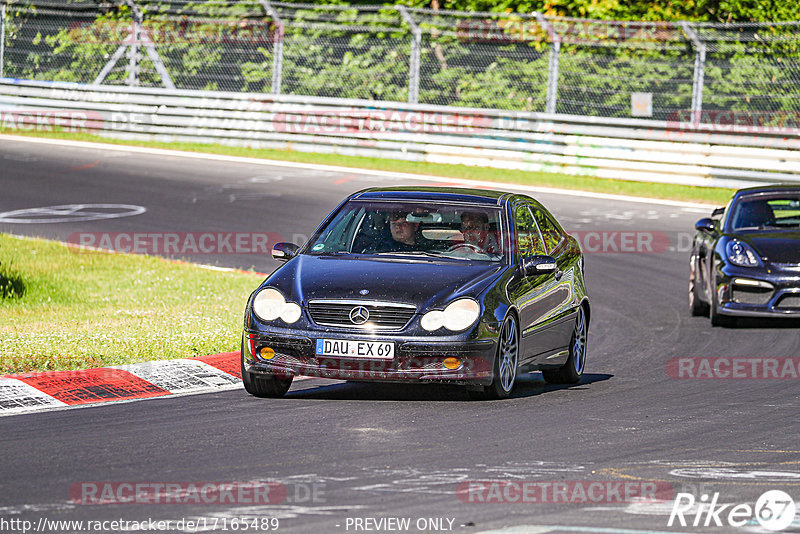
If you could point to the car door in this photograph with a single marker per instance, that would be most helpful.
(561, 290)
(536, 296)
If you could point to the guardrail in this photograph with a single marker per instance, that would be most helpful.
(722, 153)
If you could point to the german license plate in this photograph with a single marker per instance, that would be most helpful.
(348, 348)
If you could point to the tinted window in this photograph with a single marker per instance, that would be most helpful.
(773, 212)
(551, 233)
(528, 239)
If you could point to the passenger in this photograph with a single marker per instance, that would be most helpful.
(475, 229)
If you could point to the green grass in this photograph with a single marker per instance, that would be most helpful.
(65, 308)
(709, 195)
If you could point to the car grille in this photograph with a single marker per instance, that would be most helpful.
(751, 295)
(789, 302)
(383, 315)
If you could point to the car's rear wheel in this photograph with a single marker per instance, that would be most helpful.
(572, 370)
(264, 386)
(696, 305)
(505, 364)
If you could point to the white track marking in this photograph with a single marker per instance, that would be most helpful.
(70, 213)
(727, 473)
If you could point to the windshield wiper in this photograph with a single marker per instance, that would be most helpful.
(422, 253)
(332, 253)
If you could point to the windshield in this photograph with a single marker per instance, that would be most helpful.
(779, 212)
(454, 231)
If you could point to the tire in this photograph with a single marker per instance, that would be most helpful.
(505, 364)
(264, 386)
(696, 305)
(572, 370)
(716, 318)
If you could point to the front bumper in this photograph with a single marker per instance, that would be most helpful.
(771, 292)
(416, 359)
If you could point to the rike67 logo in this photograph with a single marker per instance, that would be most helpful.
(774, 510)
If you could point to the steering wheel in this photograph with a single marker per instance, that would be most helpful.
(468, 247)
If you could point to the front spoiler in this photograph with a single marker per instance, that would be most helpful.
(413, 362)
(735, 310)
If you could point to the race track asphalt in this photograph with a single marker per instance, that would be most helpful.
(350, 451)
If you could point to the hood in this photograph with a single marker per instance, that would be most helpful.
(777, 247)
(422, 283)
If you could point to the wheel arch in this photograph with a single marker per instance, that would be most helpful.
(587, 309)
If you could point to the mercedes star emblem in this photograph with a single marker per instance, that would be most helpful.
(359, 315)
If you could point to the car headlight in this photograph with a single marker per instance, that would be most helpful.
(269, 304)
(458, 315)
(741, 254)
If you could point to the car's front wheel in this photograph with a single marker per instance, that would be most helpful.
(264, 386)
(717, 319)
(572, 370)
(505, 364)
(696, 305)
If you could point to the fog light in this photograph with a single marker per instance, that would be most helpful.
(452, 363)
(751, 283)
(267, 353)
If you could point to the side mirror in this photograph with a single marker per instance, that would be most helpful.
(284, 251)
(538, 265)
(706, 225)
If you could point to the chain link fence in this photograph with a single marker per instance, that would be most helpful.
(527, 62)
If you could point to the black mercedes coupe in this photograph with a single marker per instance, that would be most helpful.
(745, 259)
(422, 284)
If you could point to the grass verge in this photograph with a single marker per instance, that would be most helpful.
(66, 308)
(708, 195)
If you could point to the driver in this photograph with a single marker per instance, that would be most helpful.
(475, 229)
(404, 235)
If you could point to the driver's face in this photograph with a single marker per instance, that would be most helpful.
(474, 230)
(403, 231)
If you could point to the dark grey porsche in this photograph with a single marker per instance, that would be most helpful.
(422, 284)
(745, 259)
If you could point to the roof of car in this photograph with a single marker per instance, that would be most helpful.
(428, 193)
(767, 189)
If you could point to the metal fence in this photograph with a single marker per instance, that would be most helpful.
(509, 61)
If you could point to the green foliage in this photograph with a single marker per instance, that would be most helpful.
(650, 10)
(348, 53)
(64, 308)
